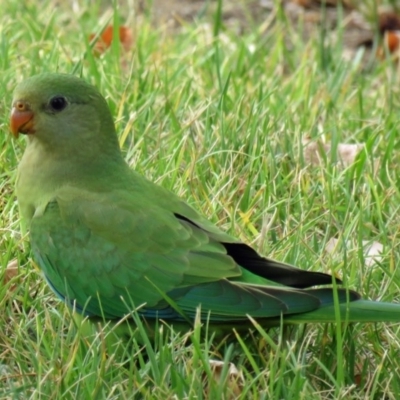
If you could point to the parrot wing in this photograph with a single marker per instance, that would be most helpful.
(105, 253)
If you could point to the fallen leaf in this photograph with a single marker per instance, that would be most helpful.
(315, 152)
(234, 379)
(105, 39)
(348, 152)
(372, 251)
(389, 30)
(11, 271)
(391, 45)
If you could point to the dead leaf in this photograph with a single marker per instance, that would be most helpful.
(11, 271)
(106, 38)
(389, 29)
(372, 251)
(391, 45)
(348, 152)
(234, 379)
(315, 152)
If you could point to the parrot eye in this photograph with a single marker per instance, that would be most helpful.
(58, 103)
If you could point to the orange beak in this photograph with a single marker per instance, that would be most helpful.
(21, 120)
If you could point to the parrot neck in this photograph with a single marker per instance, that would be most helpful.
(41, 172)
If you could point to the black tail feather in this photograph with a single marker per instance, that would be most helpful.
(275, 271)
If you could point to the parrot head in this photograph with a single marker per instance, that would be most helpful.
(62, 112)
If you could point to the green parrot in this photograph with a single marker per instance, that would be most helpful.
(109, 241)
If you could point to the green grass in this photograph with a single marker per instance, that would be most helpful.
(219, 119)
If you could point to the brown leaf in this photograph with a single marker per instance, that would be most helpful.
(234, 380)
(106, 38)
(372, 250)
(315, 152)
(11, 271)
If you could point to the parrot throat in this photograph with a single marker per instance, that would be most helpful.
(42, 172)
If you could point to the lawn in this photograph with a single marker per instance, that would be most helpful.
(226, 121)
